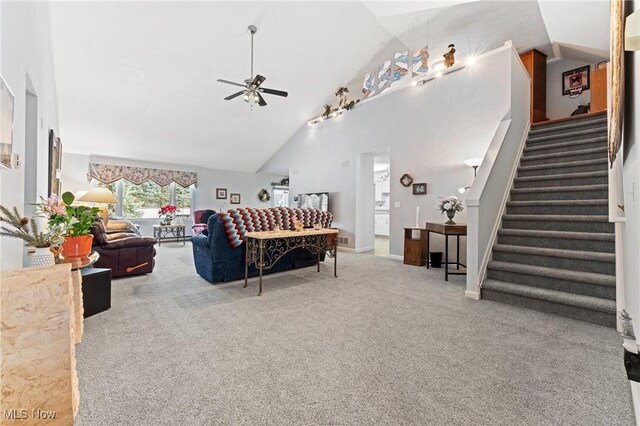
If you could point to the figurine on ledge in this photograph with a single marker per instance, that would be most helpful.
(449, 58)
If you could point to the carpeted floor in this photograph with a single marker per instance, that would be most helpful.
(384, 343)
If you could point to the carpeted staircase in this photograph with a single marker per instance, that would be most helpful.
(555, 251)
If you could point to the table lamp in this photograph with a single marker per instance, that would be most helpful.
(100, 195)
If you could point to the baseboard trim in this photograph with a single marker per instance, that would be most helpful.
(364, 249)
(395, 257)
(635, 396)
(347, 249)
(475, 295)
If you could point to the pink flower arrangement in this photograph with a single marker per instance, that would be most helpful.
(52, 206)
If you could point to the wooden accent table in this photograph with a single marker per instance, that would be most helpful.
(265, 248)
(161, 232)
(416, 250)
(458, 230)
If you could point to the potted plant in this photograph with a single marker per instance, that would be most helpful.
(166, 214)
(450, 205)
(39, 242)
(77, 221)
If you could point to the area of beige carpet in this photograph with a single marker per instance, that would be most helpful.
(385, 343)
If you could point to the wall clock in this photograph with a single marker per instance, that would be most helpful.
(406, 180)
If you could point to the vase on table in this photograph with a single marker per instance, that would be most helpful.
(77, 247)
(450, 214)
(41, 256)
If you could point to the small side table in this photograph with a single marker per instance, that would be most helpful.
(416, 250)
(96, 290)
(161, 232)
(457, 230)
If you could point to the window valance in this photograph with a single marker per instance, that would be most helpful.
(109, 173)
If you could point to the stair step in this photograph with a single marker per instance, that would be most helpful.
(561, 274)
(559, 207)
(563, 136)
(584, 166)
(573, 260)
(567, 146)
(563, 157)
(545, 128)
(587, 241)
(578, 192)
(539, 277)
(570, 223)
(562, 179)
(579, 307)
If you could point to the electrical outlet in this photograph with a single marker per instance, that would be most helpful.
(18, 161)
(396, 204)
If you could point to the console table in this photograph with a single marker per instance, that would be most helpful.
(456, 230)
(161, 232)
(265, 248)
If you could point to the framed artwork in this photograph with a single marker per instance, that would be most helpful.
(221, 193)
(419, 189)
(406, 180)
(55, 163)
(575, 80)
(6, 124)
(234, 198)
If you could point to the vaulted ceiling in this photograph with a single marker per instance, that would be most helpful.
(138, 79)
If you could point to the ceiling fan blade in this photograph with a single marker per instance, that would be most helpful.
(230, 82)
(235, 95)
(261, 100)
(258, 80)
(273, 92)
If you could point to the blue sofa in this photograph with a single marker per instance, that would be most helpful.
(216, 261)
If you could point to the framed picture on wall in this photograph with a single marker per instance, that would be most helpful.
(6, 124)
(419, 189)
(55, 160)
(575, 80)
(234, 198)
(221, 193)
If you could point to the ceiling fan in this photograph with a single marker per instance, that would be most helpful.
(252, 86)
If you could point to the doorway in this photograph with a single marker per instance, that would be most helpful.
(382, 197)
(30, 158)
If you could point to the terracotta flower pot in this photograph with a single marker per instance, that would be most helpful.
(75, 247)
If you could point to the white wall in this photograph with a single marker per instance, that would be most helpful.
(76, 166)
(559, 106)
(430, 130)
(25, 49)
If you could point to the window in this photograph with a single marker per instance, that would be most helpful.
(182, 199)
(144, 200)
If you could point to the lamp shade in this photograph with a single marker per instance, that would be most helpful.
(473, 162)
(99, 194)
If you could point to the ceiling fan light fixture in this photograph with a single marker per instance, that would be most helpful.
(253, 85)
